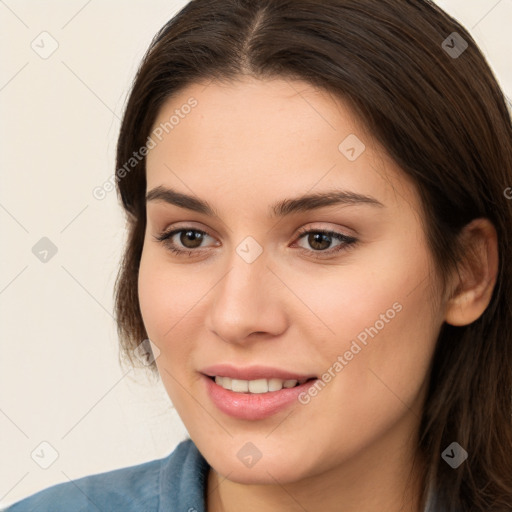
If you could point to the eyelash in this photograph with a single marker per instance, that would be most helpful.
(348, 241)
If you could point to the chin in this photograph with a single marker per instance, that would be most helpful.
(261, 472)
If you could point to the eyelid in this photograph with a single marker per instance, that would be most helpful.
(319, 226)
(347, 241)
(170, 232)
(184, 225)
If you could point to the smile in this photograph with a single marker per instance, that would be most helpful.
(257, 386)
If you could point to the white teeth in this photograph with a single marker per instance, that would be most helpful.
(275, 384)
(258, 386)
(241, 386)
(254, 386)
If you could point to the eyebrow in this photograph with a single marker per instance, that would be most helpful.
(280, 209)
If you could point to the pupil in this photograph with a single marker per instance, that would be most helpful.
(317, 238)
(191, 236)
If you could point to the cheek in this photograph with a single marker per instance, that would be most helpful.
(385, 335)
(155, 299)
(166, 297)
(380, 289)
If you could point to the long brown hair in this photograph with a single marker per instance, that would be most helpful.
(441, 116)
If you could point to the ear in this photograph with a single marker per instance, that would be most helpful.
(474, 283)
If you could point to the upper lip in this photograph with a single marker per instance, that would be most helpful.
(253, 372)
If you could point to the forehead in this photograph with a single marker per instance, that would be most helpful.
(255, 112)
(251, 134)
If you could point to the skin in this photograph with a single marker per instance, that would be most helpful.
(245, 146)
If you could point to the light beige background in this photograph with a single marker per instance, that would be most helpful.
(60, 381)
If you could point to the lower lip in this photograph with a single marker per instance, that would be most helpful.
(253, 406)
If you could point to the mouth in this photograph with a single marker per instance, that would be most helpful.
(254, 392)
(263, 392)
(257, 386)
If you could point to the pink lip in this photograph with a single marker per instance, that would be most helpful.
(252, 373)
(252, 406)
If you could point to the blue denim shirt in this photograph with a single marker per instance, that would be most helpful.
(171, 484)
(175, 483)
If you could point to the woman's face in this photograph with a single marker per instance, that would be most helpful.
(256, 299)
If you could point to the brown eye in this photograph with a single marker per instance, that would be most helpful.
(320, 242)
(191, 239)
(188, 242)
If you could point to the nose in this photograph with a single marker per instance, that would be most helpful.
(248, 302)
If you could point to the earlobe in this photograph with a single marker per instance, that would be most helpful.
(477, 274)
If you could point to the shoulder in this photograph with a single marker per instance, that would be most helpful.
(147, 487)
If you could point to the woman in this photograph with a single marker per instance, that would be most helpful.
(319, 249)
